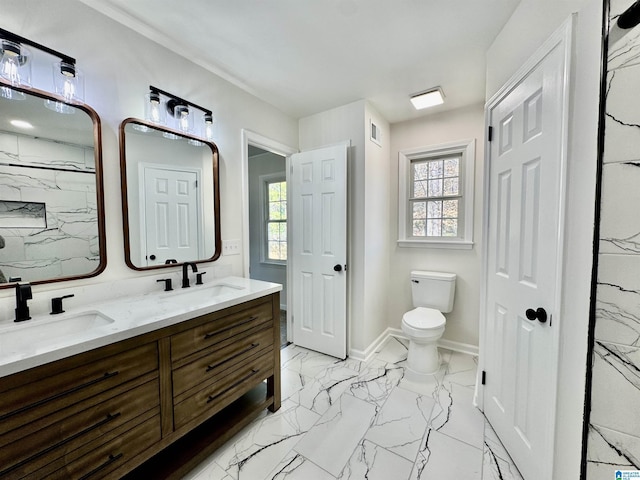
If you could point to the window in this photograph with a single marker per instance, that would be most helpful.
(436, 196)
(276, 220)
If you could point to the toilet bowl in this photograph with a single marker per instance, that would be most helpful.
(424, 327)
(432, 294)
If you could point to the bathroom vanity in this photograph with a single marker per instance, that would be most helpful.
(148, 390)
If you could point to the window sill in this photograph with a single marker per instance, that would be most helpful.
(452, 245)
(274, 263)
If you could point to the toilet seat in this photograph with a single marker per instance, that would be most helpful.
(420, 320)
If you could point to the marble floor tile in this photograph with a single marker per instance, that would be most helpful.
(375, 383)
(347, 420)
(296, 467)
(455, 415)
(320, 393)
(394, 350)
(496, 462)
(401, 423)
(372, 462)
(441, 456)
(332, 440)
(462, 369)
(258, 452)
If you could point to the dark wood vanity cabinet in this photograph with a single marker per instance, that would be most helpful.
(152, 406)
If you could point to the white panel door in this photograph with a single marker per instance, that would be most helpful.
(318, 187)
(171, 215)
(526, 191)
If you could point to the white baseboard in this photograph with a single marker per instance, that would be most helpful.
(396, 332)
(365, 355)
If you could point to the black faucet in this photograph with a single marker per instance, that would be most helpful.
(23, 293)
(185, 273)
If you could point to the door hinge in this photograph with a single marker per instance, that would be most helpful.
(490, 134)
(484, 377)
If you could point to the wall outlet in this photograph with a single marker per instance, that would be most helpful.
(231, 247)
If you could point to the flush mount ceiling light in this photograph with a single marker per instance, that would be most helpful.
(428, 98)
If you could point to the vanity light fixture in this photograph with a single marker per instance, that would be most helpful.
(179, 114)
(428, 98)
(15, 69)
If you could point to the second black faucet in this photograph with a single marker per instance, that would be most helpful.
(185, 273)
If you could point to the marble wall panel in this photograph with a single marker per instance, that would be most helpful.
(619, 214)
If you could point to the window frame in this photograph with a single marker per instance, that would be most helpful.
(265, 180)
(466, 150)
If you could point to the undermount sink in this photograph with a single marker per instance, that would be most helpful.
(39, 330)
(204, 293)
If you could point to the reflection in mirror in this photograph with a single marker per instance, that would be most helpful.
(51, 204)
(170, 196)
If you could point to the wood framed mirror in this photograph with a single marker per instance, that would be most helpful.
(170, 196)
(51, 189)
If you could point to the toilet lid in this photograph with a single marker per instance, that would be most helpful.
(423, 318)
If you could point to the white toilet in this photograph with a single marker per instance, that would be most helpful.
(432, 294)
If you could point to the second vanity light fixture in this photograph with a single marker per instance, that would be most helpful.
(15, 70)
(165, 109)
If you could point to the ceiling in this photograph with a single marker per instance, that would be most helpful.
(307, 56)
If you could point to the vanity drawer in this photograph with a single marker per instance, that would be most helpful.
(223, 388)
(79, 424)
(219, 330)
(99, 458)
(29, 402)
(239, 350)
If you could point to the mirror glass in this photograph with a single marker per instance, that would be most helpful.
(170, 196)
(51, 200)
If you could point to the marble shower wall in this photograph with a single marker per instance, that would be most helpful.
(614, 426)
(63, 177)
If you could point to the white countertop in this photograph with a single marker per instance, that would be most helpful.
(47, 338)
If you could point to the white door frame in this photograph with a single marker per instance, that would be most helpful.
(265, 143)
(561, 36)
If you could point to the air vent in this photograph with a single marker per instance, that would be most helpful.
(375, 133)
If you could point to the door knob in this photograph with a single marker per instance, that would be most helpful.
(539, 314)
(152, 257)
(337, 268)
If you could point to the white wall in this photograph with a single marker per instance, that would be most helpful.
(462, 322)
(264, 164)
(119, 65)
(532, 22)
(367, 196)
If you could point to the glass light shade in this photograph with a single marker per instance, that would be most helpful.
(428, 99)
(183, 118)
(209, 122)
(68, 82)
(154, 111)
(15, 64)
(11, 94)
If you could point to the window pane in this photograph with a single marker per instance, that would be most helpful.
(274, 211)
(435, 169)
(449, 227)
(418, 228)
(283, 190)
(283, 210)
(420, 171)
(435, 209)
(452, 167)
(450, 209)
(435, 188)
(274, 192)
(283, 251)
(419, 189)
(451, 186)
(419, 210)
(434, 228)
(274, 250)
(283, 231)
(273, 231)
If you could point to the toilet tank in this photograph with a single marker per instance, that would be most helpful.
(433, 290)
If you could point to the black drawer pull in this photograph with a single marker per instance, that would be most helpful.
(109, 417)
(216, 365)
(106, 376)
(110, 460)
(243, 379)
(217, 332)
